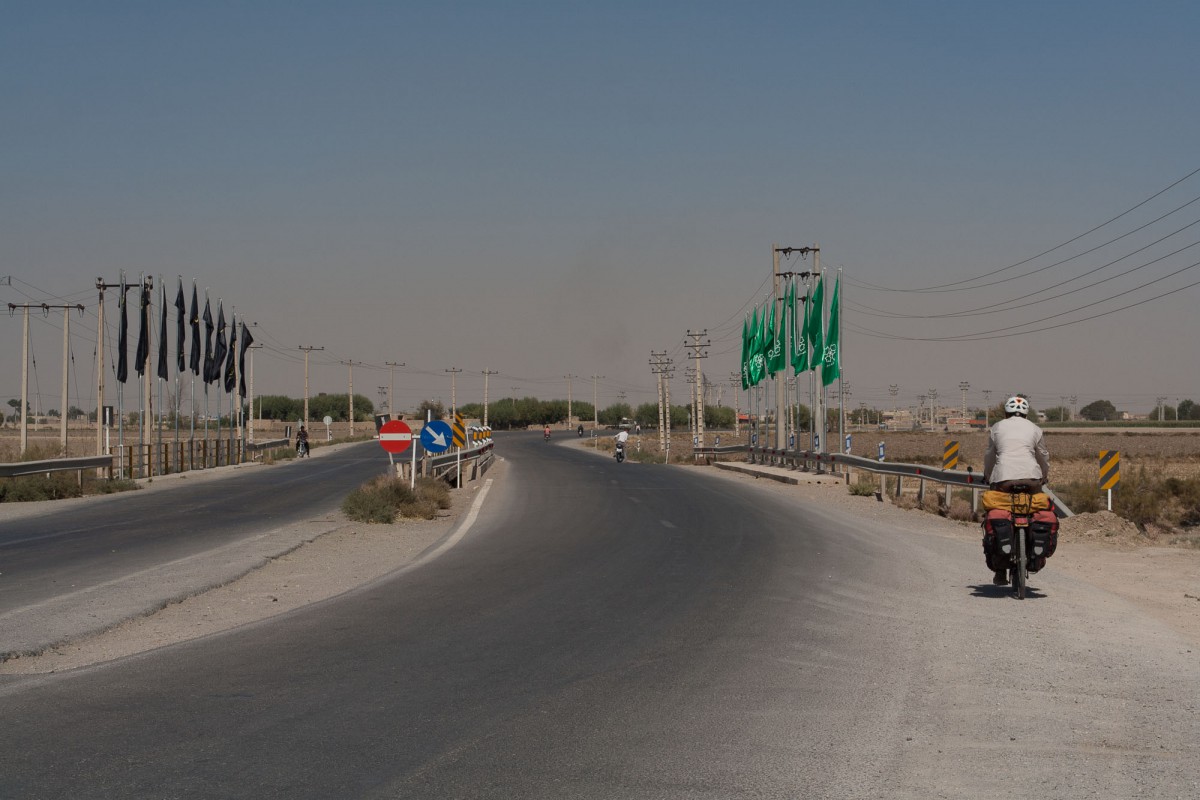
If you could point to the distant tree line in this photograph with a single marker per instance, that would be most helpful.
(336, 406)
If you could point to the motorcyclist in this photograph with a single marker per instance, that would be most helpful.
(1016, 454)
(622, 437)
(302, 441)
(546, 431)
(579, 430)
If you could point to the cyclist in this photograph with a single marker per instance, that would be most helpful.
(1016, 454)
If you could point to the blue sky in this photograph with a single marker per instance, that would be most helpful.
(547, 189)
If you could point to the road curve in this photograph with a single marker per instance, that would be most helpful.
(639, 631)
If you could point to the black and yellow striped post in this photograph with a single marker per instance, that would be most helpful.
(949, 461)
(460, 431)
(950, 455)
(1110, 472)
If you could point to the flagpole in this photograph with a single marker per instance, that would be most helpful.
(162, 327)
(837, 356)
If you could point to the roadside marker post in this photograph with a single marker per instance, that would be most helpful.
(1110, 472)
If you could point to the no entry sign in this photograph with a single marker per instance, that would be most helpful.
(395, 436)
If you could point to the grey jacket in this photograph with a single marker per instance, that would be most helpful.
(1016, 451)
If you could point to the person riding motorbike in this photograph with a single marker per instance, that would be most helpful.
(546, 432)
(302, 441)
(622, 437)
(579, 430)
(1016, 456)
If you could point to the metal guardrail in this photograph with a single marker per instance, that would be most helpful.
(270, 444)
(823, 462)
(80, 464)
(473, 461)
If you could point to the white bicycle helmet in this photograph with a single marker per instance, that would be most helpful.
(1016, 405)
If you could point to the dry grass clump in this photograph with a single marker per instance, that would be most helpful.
(864, 487)
(383, 499)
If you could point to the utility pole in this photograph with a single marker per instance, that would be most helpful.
(350, 363)
(987, 409)
(453, 391)
(569, 415)
(921, 409)
(660, 365)
(893, 390)
(1074, 400)
(66, 359)
(306, 350)
(698, 352)
(486, 374)
(735, 380)
(250, 427)
(595, 408)
(392, 384)
(963, 386)
(514, 391)
(933, 408)
(24, 372)
(1158, 402)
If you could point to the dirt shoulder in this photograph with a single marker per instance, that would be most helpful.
(1101, 549)
(347, 557)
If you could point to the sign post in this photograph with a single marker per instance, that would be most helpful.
(395, 437)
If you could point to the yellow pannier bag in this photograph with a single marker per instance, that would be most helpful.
(993, 499)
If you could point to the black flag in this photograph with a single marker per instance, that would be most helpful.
(163, 371)
(247, 340)
(180, 329)
(220, 349)
(123, 336)
(208, 331)
(142, 354)
(231, 357)
(194, 320)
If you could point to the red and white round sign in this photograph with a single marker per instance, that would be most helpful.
(395, 436)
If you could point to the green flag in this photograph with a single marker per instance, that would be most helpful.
(756, 359)
(799, 332)
(777, 333)
(816, 311)
(831, 368)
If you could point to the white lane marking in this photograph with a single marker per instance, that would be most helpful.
(665, 523)
(458, 535)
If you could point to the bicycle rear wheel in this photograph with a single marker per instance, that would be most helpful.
(1020, 570)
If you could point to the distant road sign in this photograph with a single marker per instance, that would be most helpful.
(395, 436)
(436, 436)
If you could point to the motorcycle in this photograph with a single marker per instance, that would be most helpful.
(301, 448)
(546, 435)
(619, 454)
(579, 430)
(1025, 544)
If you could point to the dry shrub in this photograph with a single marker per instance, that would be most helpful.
(905, 501)
(931, 502)
(961, 510)
(39, 487)
(380, 500)
(864, 487)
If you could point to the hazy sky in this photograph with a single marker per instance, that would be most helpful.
(559, 188)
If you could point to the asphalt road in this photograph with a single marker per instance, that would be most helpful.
(612, 631)
(84, 566)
